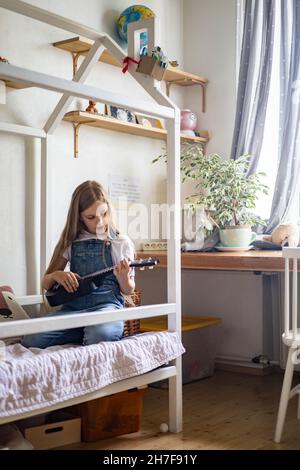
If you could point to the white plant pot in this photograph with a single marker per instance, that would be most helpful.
(237, 236)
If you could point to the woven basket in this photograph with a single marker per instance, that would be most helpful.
(132, 327)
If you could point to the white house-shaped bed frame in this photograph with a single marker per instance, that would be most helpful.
(163, 108)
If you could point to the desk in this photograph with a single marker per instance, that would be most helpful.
(223, 285)
(253, 260)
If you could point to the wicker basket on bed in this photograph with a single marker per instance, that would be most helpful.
(132, 327)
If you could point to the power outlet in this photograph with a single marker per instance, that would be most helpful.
(154, 246)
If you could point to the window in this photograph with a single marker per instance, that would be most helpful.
(269, 157)
(268, 161)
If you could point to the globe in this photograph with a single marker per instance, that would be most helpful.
(133, 13)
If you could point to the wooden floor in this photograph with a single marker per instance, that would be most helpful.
(226, 411)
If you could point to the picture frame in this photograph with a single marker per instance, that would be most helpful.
(149, 121)
(121, 114)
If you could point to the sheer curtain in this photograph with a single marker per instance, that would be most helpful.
(288, 175)
(267, 115)
(254, 79)
(269, 154)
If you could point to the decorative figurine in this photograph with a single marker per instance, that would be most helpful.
(284, 233)
(92, 107)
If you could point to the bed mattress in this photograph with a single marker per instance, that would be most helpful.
(33, 378)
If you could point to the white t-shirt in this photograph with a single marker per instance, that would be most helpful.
(121, 247)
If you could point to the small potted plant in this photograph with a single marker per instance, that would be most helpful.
(224, 191)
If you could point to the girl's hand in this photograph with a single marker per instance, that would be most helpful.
(68, 280)
(123, 270)
(122, 273)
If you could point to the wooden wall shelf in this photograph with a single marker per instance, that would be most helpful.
(78, 118)
(80, 46)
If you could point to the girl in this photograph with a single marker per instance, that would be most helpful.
(89, 242)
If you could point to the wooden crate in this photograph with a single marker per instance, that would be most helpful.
(53, 435)
(111, 416)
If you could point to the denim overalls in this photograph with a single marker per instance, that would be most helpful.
(87, 256)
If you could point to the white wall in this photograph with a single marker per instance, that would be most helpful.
(235, 297)
(209, 50)
(27, 43)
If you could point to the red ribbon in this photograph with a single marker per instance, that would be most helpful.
(126, 63)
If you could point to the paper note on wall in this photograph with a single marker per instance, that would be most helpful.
(125, 193)
(122, 188)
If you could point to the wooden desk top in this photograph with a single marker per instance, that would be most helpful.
(254, 260)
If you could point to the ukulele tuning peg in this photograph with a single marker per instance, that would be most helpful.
(150, 267)
(142, 268)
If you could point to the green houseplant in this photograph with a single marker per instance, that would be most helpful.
(222, 187)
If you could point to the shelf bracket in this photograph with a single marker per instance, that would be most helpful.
(168, 87)
(76, 129)
(202, 84)
(76, 126)
(75, 57)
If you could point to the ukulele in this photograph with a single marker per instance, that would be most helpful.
(58, 295)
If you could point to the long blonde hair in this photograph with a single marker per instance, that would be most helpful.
(83, 197)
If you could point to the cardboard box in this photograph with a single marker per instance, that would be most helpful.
(53, 435)
(150, 66)
(111, 416)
